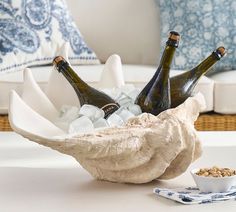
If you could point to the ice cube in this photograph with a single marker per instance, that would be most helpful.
(128, 95)
(135, 109)
(62, 124)
(67, 115)
(115, 120)
(124, 100)
(81, 125)
(124, 114)
(100, 123)
(127, 88)
(92, 112)
(113, 93)
(68, 112)
(133, 94)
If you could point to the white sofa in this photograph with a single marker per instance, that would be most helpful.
(129, 28)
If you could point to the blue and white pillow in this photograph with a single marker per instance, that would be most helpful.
(31, 32)
(204, 26)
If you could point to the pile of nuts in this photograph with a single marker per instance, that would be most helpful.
(216, 172)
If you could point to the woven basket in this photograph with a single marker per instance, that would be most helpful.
(205, 122)
(216, 122)
(4, 123)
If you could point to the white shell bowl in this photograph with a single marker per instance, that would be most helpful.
(147, 147)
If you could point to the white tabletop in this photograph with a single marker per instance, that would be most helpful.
(35, 178)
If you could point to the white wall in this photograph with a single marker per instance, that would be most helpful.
(129, 28)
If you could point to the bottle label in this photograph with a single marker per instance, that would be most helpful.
(110, 108)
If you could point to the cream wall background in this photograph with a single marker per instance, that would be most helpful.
(129, 28)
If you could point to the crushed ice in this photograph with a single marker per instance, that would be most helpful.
(88, 118)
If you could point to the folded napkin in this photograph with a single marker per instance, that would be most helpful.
(193, 195)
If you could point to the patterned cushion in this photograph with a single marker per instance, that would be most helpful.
(31, 31)
(204, 26)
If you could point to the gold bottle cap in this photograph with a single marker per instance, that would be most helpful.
(221, 50)
(174, 36)
(57, 60)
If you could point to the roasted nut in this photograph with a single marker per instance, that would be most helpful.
(216, 172)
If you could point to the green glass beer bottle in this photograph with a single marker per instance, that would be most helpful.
(155, 96)
(182, 85)
(85, 93)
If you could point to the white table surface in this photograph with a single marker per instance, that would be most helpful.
(34, 178)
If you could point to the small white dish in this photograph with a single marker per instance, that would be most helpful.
(213, 184)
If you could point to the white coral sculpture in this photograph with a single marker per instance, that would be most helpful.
(147, 147)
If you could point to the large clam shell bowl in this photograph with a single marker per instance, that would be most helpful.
(145, 148)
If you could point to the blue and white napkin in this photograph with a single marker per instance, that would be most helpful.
(193, 195)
